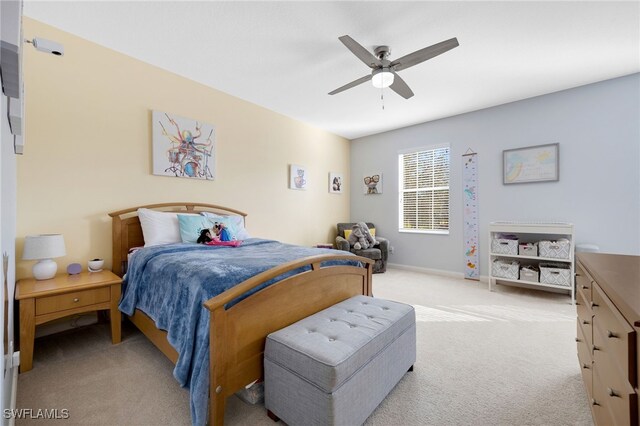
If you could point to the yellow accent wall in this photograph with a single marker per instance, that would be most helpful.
(88, 152)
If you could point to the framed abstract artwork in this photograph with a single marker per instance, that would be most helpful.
(183, 147)
(336, 182)
(531, 164)
(297, 177)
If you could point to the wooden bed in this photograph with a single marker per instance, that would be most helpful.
(237, 334)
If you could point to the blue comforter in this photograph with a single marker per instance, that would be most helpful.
(171, 282)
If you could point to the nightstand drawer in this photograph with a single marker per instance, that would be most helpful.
(62, 302)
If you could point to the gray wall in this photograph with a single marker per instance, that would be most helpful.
(598, 129)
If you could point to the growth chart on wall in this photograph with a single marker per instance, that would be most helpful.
(470, 215)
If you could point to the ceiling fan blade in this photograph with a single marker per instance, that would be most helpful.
(352, 84)
(363, 54)
(400, 87)
(423, 54)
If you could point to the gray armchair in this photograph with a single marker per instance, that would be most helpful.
(379, 253)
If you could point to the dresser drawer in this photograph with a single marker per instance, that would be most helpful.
(613, 335)
(585, 319)
(601, 414)
(581, 338)
(622, 404)
(583, 283)
(62, 302)
(586, 364)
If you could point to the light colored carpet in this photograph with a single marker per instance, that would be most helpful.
(506, 357)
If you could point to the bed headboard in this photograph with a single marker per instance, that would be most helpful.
(127, 232)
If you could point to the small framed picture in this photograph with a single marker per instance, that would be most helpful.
(335, 183)
(531, 164)
(297, 177)
(373, 183)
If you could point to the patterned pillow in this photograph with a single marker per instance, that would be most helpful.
(191, 225)
(234, 223)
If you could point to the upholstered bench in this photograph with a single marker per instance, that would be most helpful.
(336, 366)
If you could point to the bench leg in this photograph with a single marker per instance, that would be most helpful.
(410, 369)
(273, 416)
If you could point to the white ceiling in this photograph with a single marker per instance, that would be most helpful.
(286, 56)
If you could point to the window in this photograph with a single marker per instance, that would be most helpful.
(424, 190)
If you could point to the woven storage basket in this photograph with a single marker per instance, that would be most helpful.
(556, 274)
(505, 269)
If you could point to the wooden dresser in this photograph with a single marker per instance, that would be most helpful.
(608, 305)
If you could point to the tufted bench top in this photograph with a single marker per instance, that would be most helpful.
(328, 347)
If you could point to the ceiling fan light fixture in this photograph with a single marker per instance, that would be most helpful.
(382, 78)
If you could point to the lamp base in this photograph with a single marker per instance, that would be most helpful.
(45, 269)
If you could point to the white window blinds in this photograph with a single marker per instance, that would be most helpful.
(424, 190)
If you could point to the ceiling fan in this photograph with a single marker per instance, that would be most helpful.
(384, 71)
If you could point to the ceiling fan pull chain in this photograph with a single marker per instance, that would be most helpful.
(382, 97)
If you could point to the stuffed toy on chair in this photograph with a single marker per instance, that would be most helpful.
(357, 240)
(371, 240)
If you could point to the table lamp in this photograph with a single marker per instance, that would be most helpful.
(43, 248)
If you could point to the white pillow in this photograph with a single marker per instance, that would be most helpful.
(234, 222)
(159, 227)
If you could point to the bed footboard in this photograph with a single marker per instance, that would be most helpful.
(237, 334)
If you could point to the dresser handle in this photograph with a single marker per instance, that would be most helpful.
(593, 402)
(585, 322)
(584, 287)
(578, 303)
(585, 366)
(594, 305)
(578, 340)
(612, 393)
(611, 334)
(595, 348)
(75, 300)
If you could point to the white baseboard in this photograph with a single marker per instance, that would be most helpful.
(431, 271)
(440, 272)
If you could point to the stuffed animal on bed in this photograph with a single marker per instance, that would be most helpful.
(205, 236)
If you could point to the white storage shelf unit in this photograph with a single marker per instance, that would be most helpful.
(532, 233)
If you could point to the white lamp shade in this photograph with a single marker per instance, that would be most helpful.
(383, 78)
(45, 246)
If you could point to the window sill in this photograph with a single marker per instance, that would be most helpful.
(423, 231)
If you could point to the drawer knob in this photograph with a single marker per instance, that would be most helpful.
(578, 340)
(584, 287)
(595, 348)
(611, 334)
(594, 305)
(593, 402)
(585, 322)
(585, 366)
(75, 299)
(612, 393)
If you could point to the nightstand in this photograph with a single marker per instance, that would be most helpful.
(47, 300)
